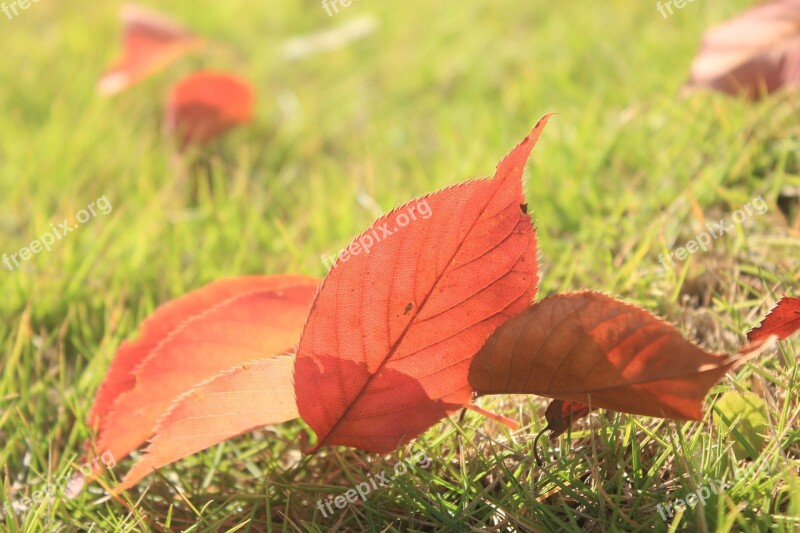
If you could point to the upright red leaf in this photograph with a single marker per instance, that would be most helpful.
(151, 42)
(204, 105)
(386, 349)
(756, 52)
(249, 396)
(594, 350)
(782, 321)
(223, 324)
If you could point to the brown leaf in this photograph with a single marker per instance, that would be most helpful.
(592, 349)
(755, 53)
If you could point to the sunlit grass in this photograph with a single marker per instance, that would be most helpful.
(626, 171)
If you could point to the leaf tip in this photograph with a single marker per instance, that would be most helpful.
(513, 163)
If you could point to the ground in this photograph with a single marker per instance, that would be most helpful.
(629, 168)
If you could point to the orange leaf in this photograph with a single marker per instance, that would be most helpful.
(249, 396)
(204, 105)
(156, 328)
(782, 321)
(152, 41)
(756, 52)
(591, 349)
(386, 350)
(223, 324)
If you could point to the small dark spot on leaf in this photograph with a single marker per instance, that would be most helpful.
(524, 208)
(409, 307)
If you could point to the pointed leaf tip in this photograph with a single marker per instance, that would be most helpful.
(514, 162)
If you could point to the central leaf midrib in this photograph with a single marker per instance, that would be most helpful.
(396, 345)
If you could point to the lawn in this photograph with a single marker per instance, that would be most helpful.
(628, 169)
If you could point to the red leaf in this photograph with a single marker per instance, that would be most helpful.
(223, 324)
(152, 41)
(386, 350)
(782, 321)
(755, 52)
(249, 396)
(204, 105)
(591, 349)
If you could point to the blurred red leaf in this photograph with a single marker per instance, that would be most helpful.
(249, 396)
(591, 349)
(782, 321)
(754, 53)
(151, 42)
(203, 333)
(387, 346)
(204, 105)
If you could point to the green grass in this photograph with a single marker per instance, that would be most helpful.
(627, 170)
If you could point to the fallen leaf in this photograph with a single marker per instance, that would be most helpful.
(782, 321)
(249, 396)
(372, 372)
(151, 42)
(204, 105)
(592, 349)
(155, 328)
(223, 324)
(752, 54)
(560, 415)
